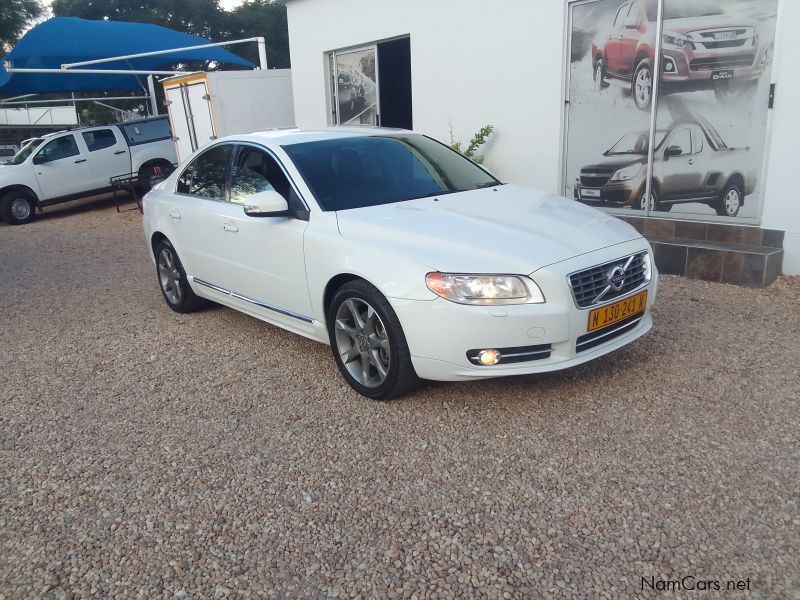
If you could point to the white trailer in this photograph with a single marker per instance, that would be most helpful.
(205, 106)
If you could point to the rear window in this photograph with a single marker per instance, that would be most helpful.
(99, 139)
(7, 152)
(144, 132)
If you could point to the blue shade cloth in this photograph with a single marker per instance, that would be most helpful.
(63, 40)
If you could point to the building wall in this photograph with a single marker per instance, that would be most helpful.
(475, 63)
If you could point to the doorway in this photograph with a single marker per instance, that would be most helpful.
(371, 85)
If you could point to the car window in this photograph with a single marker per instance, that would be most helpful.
(144, 132)
(61, 147)
(697, 140)
(99, 139)
(682, 139)
(257, 171)
(621, 14)
(7, 152)
(206, 175)
(634, 15)
(368, 170)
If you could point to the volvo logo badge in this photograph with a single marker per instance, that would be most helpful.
(616, 278)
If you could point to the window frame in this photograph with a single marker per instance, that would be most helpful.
(40, 151)
(226, 183)
(92, 131)
(675, 134)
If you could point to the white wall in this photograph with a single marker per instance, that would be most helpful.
(475, 62)
(505, 70)
(782, 191)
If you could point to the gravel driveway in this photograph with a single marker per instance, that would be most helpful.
(155, 455)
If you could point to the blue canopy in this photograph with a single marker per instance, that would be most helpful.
(63, 40)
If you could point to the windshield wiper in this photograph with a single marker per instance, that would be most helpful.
(488, 184)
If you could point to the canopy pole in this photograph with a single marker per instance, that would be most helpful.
(96, 71)
(153, 102)
(262, 52)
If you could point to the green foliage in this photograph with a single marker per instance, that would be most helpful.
(15, 16)
(205, 18)
(475, 144)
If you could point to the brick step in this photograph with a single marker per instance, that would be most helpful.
(712, 232)
(738, 264)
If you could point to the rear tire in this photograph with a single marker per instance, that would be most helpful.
(17, 207)
(151, 175)
(729, 201)
(173, 282)
(600, 82)
(368, 343)
(642, 85)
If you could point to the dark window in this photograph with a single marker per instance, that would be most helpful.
(62, 147)
(353, 172)
(99, 139)
(7, 152)
(144, 132)
(206, 175)
(256, 171)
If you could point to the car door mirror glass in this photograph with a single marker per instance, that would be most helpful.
(674, 151)
(39, 159)
(266, 204)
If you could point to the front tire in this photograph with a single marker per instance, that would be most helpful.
(729, 201)
(173, 282)
(600, 82)
(654, 203)
(368, 343)
(642, 85)
(17, 207)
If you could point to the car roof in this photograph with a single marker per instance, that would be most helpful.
(289, 136)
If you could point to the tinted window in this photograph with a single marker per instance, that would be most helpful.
(7, 152)
(256, 171)
(206, 175)
(59, 148)
(97, 140)
(143, 132)
(25, 152)
(682, 139)
(362, 171)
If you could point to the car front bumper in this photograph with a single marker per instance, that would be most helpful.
(440, 333)
(696, 69)
(617, 193)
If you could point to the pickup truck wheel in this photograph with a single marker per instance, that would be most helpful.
(17, 208)
(151, 175)
(600, 82)
(368, 343)
(172, 279)
(730, 201)
(642, 85)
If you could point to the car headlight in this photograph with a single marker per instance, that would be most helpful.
(627, 173)
(484, 289)
(676, 40)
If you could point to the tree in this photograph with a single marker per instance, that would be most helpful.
(14, 19)
(266, 19)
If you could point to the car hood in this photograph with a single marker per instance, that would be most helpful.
(508, 229)
(688, 24)
(615, 161)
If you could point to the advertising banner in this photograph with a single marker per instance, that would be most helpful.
(709, 117)
(356, 87)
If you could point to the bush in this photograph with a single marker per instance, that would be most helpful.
(476, 143)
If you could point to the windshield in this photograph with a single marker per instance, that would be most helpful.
(25, 152)
(680, 9)
(354, 172)
(635, 143)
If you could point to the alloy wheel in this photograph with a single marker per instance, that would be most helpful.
(645, 205)
(598, 76)
(732, 202)
(362, 342)
(169, 276)
(20, 209)
(643, 87)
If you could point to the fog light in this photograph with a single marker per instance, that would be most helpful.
(669, 66)
(488, 357)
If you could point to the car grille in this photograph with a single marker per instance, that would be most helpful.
(722, 62)
(606, 334)
(594, 181)
(587, 285)
(714, 45)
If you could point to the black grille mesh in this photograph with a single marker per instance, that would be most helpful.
(587, 285)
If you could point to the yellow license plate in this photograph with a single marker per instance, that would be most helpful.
(616, 312)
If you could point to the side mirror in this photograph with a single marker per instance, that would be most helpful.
(673, 151)
(39, 159)
(266, 204)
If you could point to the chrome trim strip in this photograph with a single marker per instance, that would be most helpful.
(533, 353)
(628, 325)
(281, 311)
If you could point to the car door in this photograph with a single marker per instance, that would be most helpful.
(264, 255)
(61, 168)
(629, 38)
(678, 175)
(613, 43)
(195, 216)
(108, 155)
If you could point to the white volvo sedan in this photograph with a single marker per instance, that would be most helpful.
(410, 260)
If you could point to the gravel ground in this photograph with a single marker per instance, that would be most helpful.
(149, 454)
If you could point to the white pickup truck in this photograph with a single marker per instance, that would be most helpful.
(63, 166)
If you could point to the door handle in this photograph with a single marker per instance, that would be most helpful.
(691, 161)
(120, 152)
(230, 227)
(174, 214)
(80, 160)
